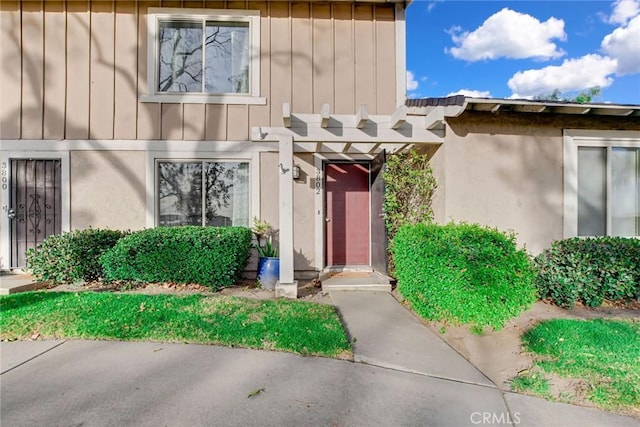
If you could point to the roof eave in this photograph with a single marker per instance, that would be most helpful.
(455, 106)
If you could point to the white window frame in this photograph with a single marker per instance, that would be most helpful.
(155, 15)
(153, 158)
(572, 139)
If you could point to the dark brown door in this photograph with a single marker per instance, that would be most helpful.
(35, 205)
(347, 214)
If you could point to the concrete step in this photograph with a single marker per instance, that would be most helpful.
(12, 283)
(356, 287)
(359, 280)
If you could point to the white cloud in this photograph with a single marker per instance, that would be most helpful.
(412, 83)
(574, 74)
(472, 93)
(509, 34)
(623, 44)
(623, 11)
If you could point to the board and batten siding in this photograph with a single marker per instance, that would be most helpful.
(76, 69)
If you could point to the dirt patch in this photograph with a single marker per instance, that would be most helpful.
(500, 355)
(570, 390)
(308, 290)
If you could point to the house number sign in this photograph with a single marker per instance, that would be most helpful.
(5, 176)
(318, 180)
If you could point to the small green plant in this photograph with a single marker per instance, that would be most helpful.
(533, 383)
(261, 229)
(463, 274)
(72, 257)
(210, 256)
(589, 270)
(268, 250)
(264, 236)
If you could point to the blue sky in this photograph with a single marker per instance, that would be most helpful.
(519, 49)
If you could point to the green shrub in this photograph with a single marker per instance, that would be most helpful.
(212, 256)
(409, 186)
(589, 270)
(72, 257)
(463, 273)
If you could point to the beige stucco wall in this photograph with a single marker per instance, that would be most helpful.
(437, 163)
(304, 238)
(506, 171)
(303, 212)
(108, 189)
(76, 69)
(269, 188)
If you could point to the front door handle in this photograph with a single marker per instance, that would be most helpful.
(11, 213)
(327, 219)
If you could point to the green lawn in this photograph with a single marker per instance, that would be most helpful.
(603, 354)
(294, 326)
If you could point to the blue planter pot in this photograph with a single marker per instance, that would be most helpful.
(268, 271)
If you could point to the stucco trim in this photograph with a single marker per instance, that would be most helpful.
(572, 139)
(37, 145)
(65, 195)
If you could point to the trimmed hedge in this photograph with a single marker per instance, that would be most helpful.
(463, 273)
(589, 270)
(72, 257)
(211, 256)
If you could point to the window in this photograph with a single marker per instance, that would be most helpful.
(200, 55)
(209, 193)
(608, 191)
(602, 175)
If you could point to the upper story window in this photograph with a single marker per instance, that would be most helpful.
(204, 56)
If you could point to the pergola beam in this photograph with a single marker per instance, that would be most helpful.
(362, 116)
(324, 116)
(434, 119)
(399, 117)
(286, 114)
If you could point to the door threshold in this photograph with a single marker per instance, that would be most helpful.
(344, 268)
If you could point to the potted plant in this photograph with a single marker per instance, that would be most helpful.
(268, 261)
(262, 231)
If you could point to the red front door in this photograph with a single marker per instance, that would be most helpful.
(347, 214)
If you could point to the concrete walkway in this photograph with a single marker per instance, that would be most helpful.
(403, 375)
(385, 334)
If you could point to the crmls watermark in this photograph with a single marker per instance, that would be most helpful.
(495, 418)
